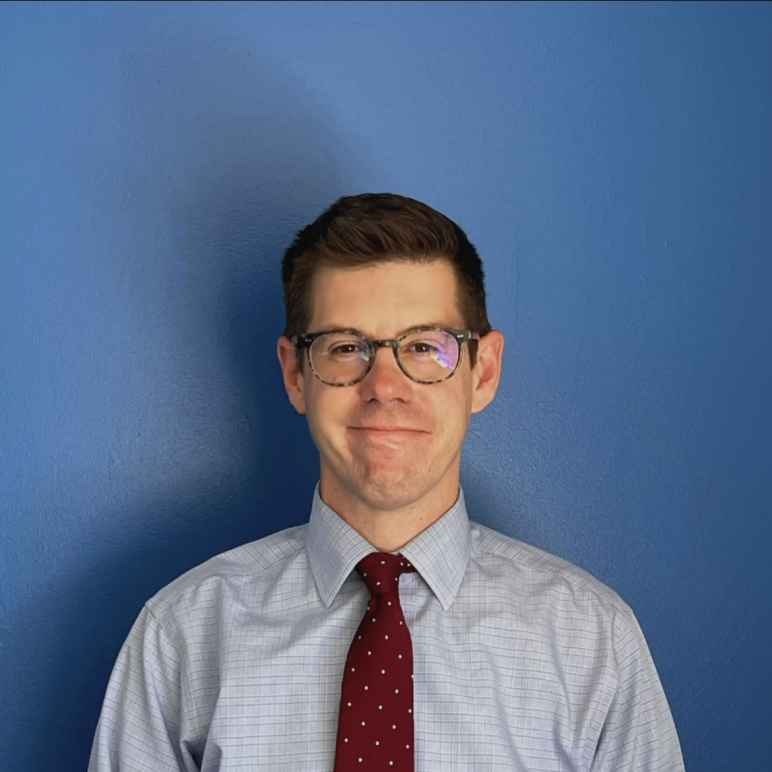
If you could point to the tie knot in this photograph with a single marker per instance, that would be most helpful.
(381, 571)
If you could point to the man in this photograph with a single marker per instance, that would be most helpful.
(391, 631)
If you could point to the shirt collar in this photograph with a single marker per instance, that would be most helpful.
(440, 553)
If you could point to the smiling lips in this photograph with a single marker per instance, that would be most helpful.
(386, 429)
(386, 436)
(388, 439)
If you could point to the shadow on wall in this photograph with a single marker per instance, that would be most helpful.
(225, 158)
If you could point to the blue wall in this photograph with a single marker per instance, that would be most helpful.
(613, 166)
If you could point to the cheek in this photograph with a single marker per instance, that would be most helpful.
(326, 417)
(454, 419)
(448, 419)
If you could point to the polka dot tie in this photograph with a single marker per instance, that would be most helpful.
(375, 724)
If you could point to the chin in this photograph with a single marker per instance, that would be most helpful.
(390, 491)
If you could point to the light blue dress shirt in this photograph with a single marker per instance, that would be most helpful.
(522, 661)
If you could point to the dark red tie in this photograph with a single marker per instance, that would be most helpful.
(375, 723)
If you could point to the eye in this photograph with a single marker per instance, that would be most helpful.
(345, 348)
(421, 347)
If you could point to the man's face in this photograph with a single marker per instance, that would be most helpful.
(359, 459)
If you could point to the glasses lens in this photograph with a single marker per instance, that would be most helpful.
(339, 357)
(430, 355)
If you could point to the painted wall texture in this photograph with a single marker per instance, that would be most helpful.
(613, 165)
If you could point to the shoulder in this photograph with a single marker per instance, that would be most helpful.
(545, 579)
(226, 579)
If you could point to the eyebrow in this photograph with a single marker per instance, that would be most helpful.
(337, 328)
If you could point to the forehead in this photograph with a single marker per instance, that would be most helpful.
(385, 298)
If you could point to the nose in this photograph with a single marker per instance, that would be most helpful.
(385, 381)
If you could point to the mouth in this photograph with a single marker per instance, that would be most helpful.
(386, 430)
(394, 441)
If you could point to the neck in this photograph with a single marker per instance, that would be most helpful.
(389, 525)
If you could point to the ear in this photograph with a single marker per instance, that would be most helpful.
(292, 375)
(486, 373)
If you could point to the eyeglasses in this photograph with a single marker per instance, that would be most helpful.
(344, 357)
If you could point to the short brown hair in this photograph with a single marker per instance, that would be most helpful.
(381, 227)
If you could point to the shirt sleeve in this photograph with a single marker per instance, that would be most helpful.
(638, 734)
(139, 725)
